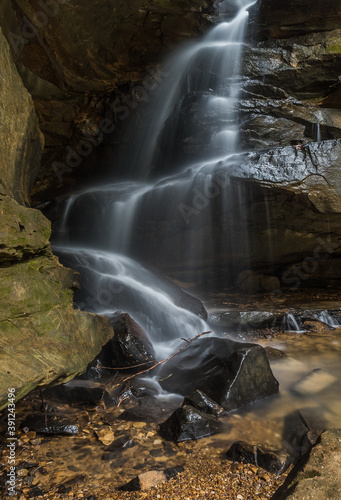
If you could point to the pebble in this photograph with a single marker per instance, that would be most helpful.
(105, 435)
(139, 425)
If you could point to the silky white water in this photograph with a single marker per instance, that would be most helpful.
(104, 228)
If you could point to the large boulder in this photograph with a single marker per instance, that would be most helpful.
(231, 373)
(44, 340)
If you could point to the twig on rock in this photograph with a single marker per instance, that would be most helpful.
(164, 360)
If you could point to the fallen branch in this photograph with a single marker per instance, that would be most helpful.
(164, 360)
(127, 367)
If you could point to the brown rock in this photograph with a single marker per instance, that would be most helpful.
(21, 142)
(149, 479)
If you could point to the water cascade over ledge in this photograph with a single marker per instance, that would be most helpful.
(180, 173)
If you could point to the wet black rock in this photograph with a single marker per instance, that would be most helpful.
(51, 424)
(202, 402)
(275, 462)
(123, 442)
(129, 347)
(244, 320)
(188, 423)
(150, 409)
(78, 395)
(231, 373)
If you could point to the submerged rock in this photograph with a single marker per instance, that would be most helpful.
(78, 395)
(275, 462)
(231, 373)
(314, 382)
(51, 424)
(188, 423)
(301, 431)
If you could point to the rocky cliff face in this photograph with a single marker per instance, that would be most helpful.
(21, 140)
(290, 124)
(66, 63)
(43, 339)
(287, 18)
(78, 58)
(60, 61)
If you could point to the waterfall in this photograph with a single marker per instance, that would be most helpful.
(318, 132)
(108, 231)
(290, 324)
(111, 282)
(326, 318)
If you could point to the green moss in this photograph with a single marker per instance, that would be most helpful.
(334, 48)
(310, 474)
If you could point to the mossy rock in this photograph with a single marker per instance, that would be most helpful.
(43, 340)
(24, 232)
(21, 142)
(48, 348)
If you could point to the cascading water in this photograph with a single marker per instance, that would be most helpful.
(112, 282)
(174, 219)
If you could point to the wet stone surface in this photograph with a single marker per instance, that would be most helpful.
(112, 448)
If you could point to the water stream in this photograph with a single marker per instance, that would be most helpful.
(107, 232)
(179, 207)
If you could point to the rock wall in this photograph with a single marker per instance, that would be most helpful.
(285, 18)
(290, 125)
(21, 143)
(43, 339)
(77, 58)
(61, 63)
